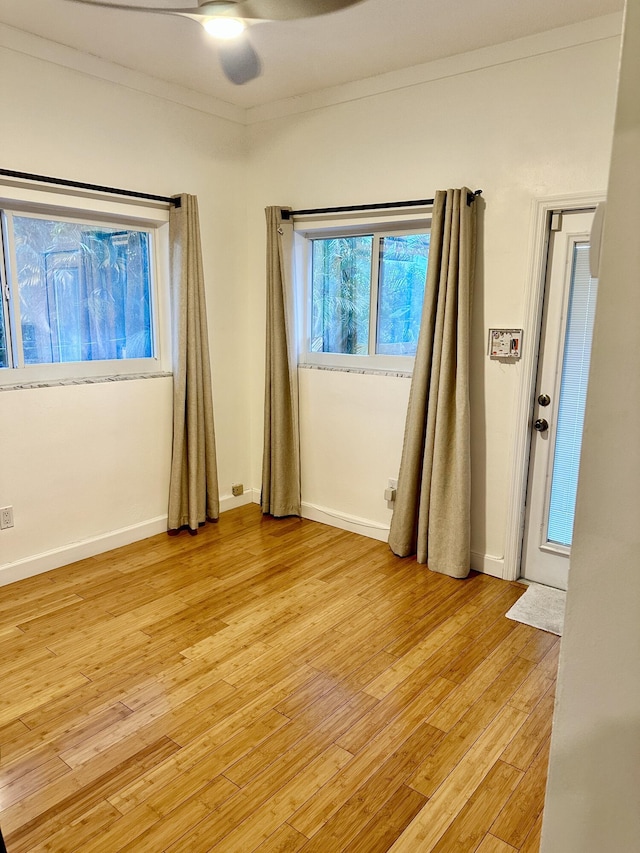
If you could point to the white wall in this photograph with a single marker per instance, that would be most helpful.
(529, 121)
(336, 474)
(593, 793)
(79, 464)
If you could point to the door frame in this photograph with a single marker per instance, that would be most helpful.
(541, 210)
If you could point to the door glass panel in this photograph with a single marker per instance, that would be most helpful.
(4, 349)
(573, 394)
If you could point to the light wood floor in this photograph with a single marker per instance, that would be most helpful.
(270, 686)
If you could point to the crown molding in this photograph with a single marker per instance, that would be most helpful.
(550, 41)
(40, 48)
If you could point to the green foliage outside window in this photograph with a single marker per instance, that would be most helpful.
(342, 293)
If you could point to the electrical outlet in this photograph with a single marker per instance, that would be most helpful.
(6, 517)
(237, 489)
(390, 491)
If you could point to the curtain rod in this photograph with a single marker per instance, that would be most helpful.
(63, 182)
(422, 202)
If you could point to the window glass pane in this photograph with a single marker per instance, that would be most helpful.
(4, 350)
(573, 395)
(341, 287)
(84, 291)
(403, 273)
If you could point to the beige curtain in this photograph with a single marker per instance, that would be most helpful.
(432, 512)
(281, 451)
(193, 491)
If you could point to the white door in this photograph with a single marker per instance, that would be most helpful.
(558, 412)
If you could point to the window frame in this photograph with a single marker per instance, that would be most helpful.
(305, 233)
(92, 210)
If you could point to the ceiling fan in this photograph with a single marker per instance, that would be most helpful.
(226, 20)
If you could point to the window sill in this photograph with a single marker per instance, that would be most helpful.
(84, 380)
(400, 374)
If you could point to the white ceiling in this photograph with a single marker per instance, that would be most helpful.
(370, 38)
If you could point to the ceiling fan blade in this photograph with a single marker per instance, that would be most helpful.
(288, 10)
(239, 60)
(206, 9)
(261, 10)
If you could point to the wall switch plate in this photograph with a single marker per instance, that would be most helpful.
(237, 489)
(6, 517)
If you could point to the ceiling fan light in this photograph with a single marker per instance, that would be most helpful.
(224, 28)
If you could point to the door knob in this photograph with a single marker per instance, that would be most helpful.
(541, 425)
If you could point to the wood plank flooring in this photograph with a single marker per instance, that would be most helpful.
(270, 686)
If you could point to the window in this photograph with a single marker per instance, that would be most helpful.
(78, 296)
(365, 294)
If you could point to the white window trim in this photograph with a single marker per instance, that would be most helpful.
(311, 228)
(93, 208)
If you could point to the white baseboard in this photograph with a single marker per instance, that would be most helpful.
(46, 561)
(353, 523)
(231, 501)
(484, 563)
(487, 564)
(57, 557)
(335, 518)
